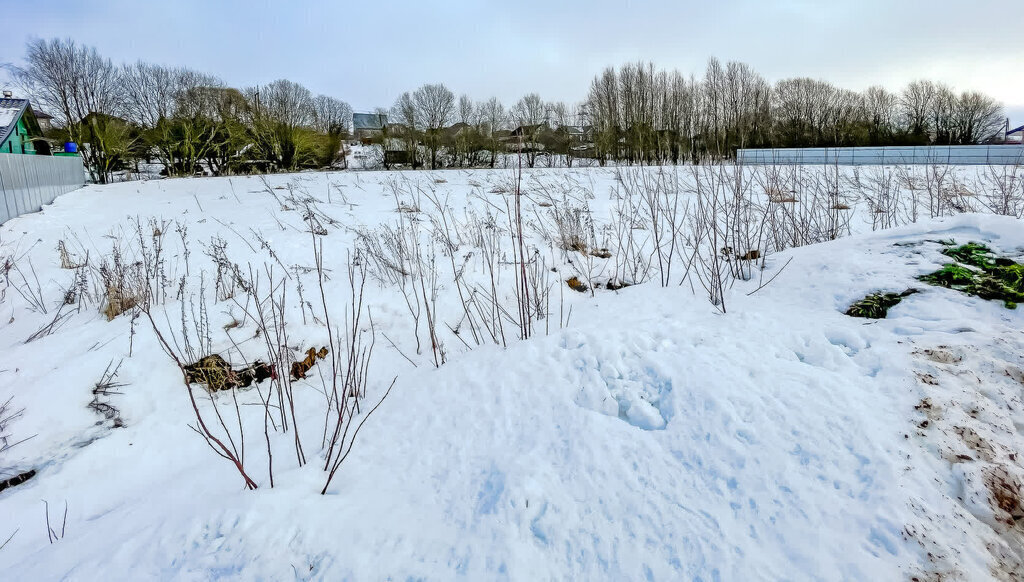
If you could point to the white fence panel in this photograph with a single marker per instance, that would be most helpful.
(28, 182)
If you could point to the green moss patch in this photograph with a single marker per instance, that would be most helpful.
(877, 305)
(977, 271)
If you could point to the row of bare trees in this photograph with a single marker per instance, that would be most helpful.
(640, 114)
(191, 122)
(188, 121)
(431, 126)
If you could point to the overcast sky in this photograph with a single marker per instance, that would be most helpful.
(368, 52)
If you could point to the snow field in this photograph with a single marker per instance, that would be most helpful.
(640, 434)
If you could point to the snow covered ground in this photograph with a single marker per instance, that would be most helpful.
(639, 434)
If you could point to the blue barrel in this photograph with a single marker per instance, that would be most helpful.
(70, 147)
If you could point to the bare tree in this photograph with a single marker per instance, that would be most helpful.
(530, 115)
(331, 118)
(810, 112)
(331, 115)
(83, 91)
(278, 112)
(915, 105)
(492, 118)
(404, 113)
(208, 123)
(529, 110)
(976, 117)
(465, 139)
(286, 102)
(603, 105)
(434, 107)
(466, 110)
(150, 92)
(940, 114)
(180, 111)
(880, 109)
(404, 110)
(562, 136)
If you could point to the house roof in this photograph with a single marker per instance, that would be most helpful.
(1018, 130)
(576, 129)
(10, 112)
(457, 128)
(368, 121)
(523, 129)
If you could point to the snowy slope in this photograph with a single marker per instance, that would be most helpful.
(653, 438)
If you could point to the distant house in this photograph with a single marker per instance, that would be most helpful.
(19, 129)
(572, 130)
(397, 129)
(45, 121)
(581, 137)
(527, 131)
(458, 129)
(368, 125)
(525, 138)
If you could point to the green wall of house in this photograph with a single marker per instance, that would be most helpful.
(18, 142)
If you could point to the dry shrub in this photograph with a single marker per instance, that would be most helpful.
(575, 227)
(575, 284)
(119, 301)
(299, 369)
(779, 196)
(124, 284)
(955, 190)
(216, 374)
(66, 260)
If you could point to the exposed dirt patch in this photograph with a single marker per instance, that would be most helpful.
(976, 443)
(972, 400)
(1005, 491)
(939, 355)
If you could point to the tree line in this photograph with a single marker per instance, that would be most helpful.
(640, 114)
(185, 120)
(637, 114)
(433, 128)
(189, 121)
